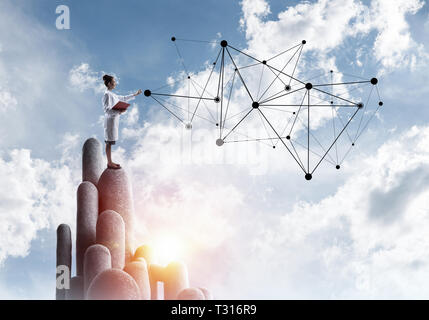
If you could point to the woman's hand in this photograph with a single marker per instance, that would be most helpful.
(138, 92)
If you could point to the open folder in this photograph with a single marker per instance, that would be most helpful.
(121, 106)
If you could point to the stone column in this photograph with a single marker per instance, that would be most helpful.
(116, 194)
(64, 255)
(113, 284)
(175, 280)
(111, 234)
(156, 273)
(207, 294)
(97, 259)
(138, 270)
(87, 214)
(76, 289)
(191, 294)
(144, 252)
(92, 160)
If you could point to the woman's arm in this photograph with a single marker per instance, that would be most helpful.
(130, 96)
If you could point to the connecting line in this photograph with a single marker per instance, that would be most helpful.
(181, 58)
(239, 74)
(335, 140)
(297, 60)
(237, 124)
(315, 153)
(197, 84)
(340, 94)
(229, 99)
(204, 103)
(221, 100)
(299, 44)
(260, 81)
(267, 64)
(284, 129)
(332, 95)
(313, 105)
(168, 109)
(277, 75)
(282, 141)
(211, 72)
(220, 71)
(296, 152)
(277, 109)
(265, 127)
(333, 119)
(297, 113)
(363, 129)
(340, 83)
(317, 140)
(308, 134)
(346, 154)
(350, 75)
(250, 65)
(173, 105)
(171, 84)
(179, 96)
(364, 107)
(261, 103)
(190, 40)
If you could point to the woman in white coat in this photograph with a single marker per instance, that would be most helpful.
(111, 117)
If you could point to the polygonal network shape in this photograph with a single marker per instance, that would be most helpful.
(316, 119)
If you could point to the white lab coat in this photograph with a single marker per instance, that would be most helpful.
(111, 117)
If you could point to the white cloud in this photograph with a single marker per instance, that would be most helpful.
(364, 241)
(327, 24)
(83, 78)
(7, 101)
(35, 195)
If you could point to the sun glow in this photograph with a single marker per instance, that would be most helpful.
(167, 248)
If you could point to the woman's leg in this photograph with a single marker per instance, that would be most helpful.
(109, 156)
(109, 153)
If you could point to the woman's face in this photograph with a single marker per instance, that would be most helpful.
(112, 84)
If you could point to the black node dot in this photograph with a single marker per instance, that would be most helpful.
(255, 105)
(235, 69)
(147, 93)
(189, 77)
(308, 86)
(217, 124)
(374, 81)
(332, 71)
(287, 87)
(303, 42)
(360, 105)
(353, 144)
(217, 99)
(337, 166)
(214, 63)
(308, 176)
(173, 38)
(288, 137)
(274, 147)
(223, 43)
(294, 112)
(332, 102)
(380, 103)
(264, 62)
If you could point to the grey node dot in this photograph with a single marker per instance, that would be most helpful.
(219, 142)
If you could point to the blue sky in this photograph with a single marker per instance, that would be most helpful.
(331, 238)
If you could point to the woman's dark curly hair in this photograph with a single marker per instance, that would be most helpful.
(107, 79)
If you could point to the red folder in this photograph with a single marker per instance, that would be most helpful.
(121, 106)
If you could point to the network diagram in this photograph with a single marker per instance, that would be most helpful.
(274, 101)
